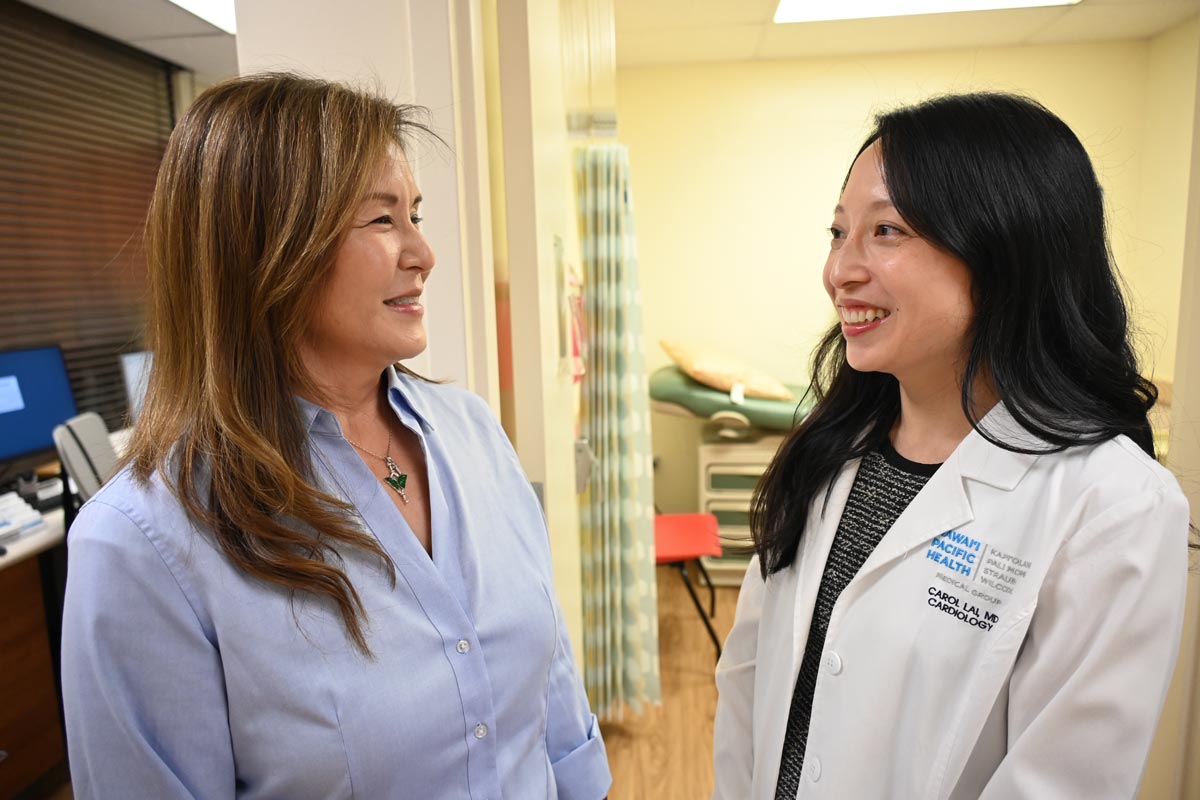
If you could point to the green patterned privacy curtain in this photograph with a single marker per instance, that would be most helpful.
(616, 514)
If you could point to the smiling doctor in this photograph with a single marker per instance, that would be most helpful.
(970, 570)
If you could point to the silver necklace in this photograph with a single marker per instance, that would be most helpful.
(395, 478)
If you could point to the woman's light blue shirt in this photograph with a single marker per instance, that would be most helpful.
(183, 677)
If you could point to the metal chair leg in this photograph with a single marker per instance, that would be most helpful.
(682, 567)
(712, 592)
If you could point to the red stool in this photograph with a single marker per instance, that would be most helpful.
(679, 538)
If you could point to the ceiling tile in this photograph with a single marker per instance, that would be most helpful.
(1093, 3)
(687, 45)
(1116, 20)
(661, 15)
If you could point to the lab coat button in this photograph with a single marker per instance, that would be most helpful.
(463, 646)
(480, 731)
(833, 662)
(814, 769)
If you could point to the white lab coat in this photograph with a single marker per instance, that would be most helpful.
(1046, 684)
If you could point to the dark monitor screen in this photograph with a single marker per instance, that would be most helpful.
(34, 397)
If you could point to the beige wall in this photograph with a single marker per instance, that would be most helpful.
(736, 168)
(1173, 771)
(1154, 267)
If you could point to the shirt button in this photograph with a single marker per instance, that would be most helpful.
(463, 646)
(833, 662)
(480, 731)
(814, 769)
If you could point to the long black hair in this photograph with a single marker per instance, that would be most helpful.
(1003, 185)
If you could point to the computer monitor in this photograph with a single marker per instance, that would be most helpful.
(136, 369)
(35, 395)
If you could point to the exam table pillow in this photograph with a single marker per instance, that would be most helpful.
(724, 373)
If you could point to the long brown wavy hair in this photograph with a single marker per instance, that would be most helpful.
(257, 188)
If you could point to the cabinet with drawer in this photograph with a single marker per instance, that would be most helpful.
(729, 473)
(30, 734)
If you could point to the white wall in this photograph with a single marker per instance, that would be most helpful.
(429, 54)
(540, 205)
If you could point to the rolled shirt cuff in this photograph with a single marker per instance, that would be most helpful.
(583, 773)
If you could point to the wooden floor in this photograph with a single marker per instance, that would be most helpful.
(666, 753)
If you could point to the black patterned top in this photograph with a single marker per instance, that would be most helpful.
(886, 483)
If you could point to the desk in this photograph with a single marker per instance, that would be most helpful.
(54, 533)
(30, 544)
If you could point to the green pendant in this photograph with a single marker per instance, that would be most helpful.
(396, 479)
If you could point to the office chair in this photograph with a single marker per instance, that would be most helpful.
(86, 453)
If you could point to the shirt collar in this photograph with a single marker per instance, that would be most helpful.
(403, 393)
(406, 393)
(314, 417)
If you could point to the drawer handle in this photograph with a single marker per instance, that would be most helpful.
(3, 755)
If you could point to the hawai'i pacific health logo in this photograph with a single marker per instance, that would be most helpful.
(983, 564)
(956, 552)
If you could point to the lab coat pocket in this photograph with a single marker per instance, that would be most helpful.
(976, 737)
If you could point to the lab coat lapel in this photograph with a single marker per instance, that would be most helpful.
(940, 506)
(944, 503)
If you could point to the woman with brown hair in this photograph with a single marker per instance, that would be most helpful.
(319, 575)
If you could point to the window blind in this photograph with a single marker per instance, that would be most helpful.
(84, 121)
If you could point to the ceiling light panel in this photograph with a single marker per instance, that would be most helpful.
(215, 12)
(825, 11)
